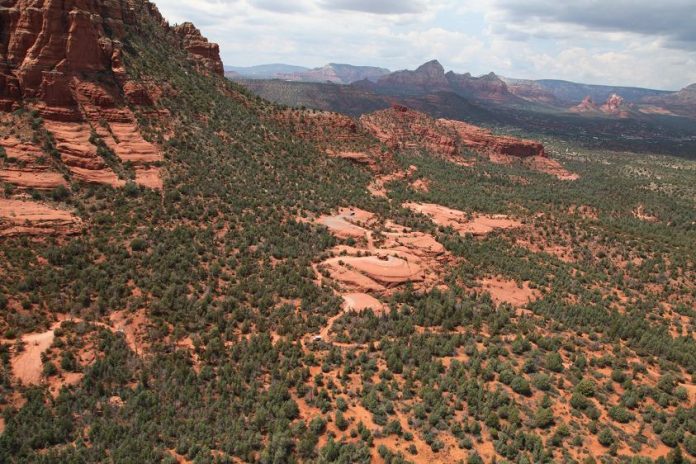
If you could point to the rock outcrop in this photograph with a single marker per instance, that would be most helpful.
(682, 103)
(401, 128)
(206, 55)
(613, 104)
(587, 105)
(484, 141)
(18, 217)
(26, 167)
(531, 91)
(64, 59)
(430, 78)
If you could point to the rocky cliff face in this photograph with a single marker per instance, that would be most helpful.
(431, 78)
(402, 128)
(44, 45)
(63, 59)
(613, 104)
(531, 91)
(204, 54)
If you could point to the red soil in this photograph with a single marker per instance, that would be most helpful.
(27, 365)
(133, 327)
(508, 291)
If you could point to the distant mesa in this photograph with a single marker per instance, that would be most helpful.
(682, 103)
(431, 77)
(335, 73)
(370, 87)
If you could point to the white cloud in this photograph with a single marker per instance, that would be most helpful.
(527, 39)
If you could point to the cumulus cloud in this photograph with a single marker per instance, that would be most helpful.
(280, 6)
(607, 42)
(376, 6)
(672, 19)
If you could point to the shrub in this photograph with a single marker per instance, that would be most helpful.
(138, 244)
(605, 437)
(543, 418)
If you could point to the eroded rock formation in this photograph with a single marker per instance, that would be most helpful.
(205, 54)
(586, 105)
(64, 59)
(401, 128)
(18, 217)
(615, 105)
(483, 140)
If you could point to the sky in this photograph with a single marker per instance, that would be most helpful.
(643, 43)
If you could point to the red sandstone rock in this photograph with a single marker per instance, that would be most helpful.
(400, 128)
(27, 166)
(64, 59)
(613, 104)
(483, 140)
(587, 105)
(205, 54)
(19, 217)
(336, 134)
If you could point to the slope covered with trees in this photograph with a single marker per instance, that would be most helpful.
(193, 323)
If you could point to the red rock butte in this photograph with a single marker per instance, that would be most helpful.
(64, 59)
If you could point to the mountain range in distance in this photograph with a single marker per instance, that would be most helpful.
(333, 72)
(578, 98)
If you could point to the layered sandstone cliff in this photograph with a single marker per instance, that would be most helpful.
(402, 128)
(63, 59)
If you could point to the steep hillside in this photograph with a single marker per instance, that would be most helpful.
(301, 286)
